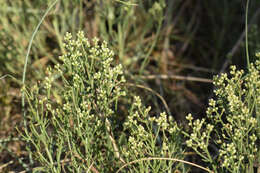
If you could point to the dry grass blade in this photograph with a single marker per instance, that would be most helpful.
(5, 165)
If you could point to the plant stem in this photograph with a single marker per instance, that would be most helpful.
(246, 30)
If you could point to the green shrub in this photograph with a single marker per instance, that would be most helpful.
(76, 127)
(228, 140)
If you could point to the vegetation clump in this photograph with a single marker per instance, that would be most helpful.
(84, 111)
(77, 123)
(232, 127)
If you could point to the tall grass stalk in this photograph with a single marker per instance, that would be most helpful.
(246, 31)
(25, 67)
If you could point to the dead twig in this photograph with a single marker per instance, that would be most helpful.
(177, 77)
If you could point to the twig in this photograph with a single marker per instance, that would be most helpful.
(111, 136)
(177, 77)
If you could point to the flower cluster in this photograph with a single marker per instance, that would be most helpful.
(92, 73)
(199, 137)
(80, 96)
(150, 136)
(235, 118)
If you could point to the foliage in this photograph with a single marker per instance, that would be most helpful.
(73, 124)
(232, 124)
(82, 115)
(157, 136)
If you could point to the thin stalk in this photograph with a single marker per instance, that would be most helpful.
(246, 30)
(26, 62)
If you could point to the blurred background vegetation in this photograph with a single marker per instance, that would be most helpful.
(173, 47)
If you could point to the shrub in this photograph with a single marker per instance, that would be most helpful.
(228, 140)
(76, 127)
